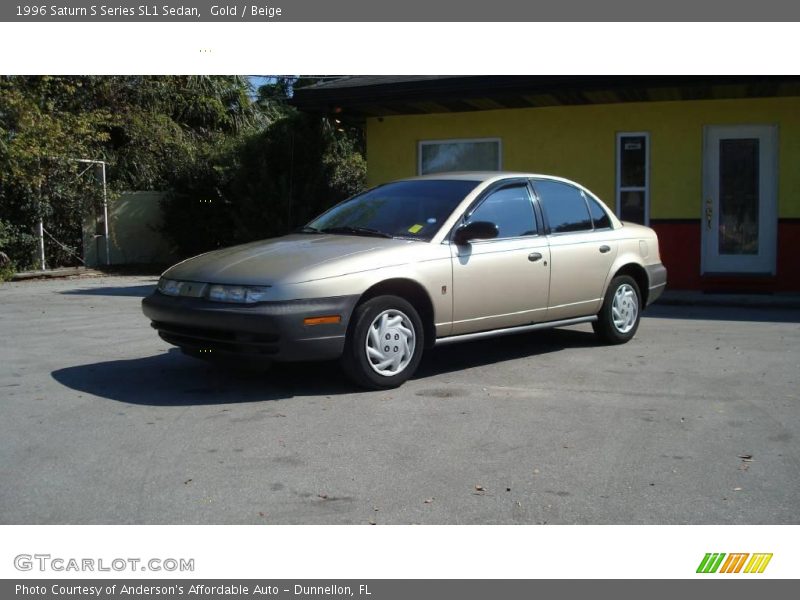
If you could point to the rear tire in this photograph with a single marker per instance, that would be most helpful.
(619, 317)
(384, 343)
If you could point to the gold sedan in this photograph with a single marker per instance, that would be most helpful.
(414, 264)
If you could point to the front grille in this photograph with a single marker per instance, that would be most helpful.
(196, 338)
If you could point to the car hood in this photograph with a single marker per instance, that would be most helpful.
(290, 259)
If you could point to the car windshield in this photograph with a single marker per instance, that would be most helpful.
(408, 209)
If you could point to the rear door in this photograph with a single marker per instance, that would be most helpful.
(582, 249)
(501, 282)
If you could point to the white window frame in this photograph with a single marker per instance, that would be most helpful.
(423, 143)
(646, 189)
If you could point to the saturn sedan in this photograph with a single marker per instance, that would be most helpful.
(409, 265)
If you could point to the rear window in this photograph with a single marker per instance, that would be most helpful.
(564, 206)
(599, 216)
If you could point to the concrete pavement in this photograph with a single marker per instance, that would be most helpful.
(694, 421)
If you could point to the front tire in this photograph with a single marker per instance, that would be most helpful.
(384, 343)
(619, 317)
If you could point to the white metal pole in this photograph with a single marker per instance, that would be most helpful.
(105, 215)
(41, 220)
(41, 245)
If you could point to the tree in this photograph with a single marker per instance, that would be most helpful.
(266, 185)
(146, 128)
(239, 164)
(41, 132)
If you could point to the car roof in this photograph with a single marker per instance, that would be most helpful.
(480, 176)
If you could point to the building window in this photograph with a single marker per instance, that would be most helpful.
(633, 177)
(439, 156)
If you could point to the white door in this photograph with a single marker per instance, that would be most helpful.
(740, 199)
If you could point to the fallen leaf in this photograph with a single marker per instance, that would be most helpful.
(429, 500)
(372, 522)
(737, 489)
(479, 488)
(261, 514)
(746, 457)
(323, 496)
(187, 482)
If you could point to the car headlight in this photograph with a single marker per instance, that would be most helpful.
(170, 287)
(240, 294)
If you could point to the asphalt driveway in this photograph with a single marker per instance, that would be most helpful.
(697, 420)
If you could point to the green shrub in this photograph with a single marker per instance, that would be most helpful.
(13, 242)
(263, 185)
(7, 272)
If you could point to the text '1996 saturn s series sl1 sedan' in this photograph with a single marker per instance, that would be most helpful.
(413, 264)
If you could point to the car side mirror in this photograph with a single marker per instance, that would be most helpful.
(477, 230)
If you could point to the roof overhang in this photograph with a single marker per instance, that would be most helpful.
(376, 96)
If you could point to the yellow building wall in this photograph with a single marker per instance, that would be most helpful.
(578, 142)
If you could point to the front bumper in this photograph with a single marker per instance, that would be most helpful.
(657, 276)
(267, 331)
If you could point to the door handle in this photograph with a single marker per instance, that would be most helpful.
(605, 248)
(534, 256)
(709, 213)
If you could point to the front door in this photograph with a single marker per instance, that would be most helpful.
(501, 282)
(740, 201)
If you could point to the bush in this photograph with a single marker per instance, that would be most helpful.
(13, 242)
(6, 266)
(197, 212)
(6, 270)
(263, 185)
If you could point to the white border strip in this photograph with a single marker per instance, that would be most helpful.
(428, 552)
(382, 48)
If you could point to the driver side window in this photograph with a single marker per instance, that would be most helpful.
(511, 209)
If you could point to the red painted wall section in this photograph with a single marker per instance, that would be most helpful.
(788, 256)
(679, 243)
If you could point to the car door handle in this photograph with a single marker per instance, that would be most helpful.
(534, 256)
(605, 248)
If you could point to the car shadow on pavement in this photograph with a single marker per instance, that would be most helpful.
(447, 359)
(123, 290)
(172, 379)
